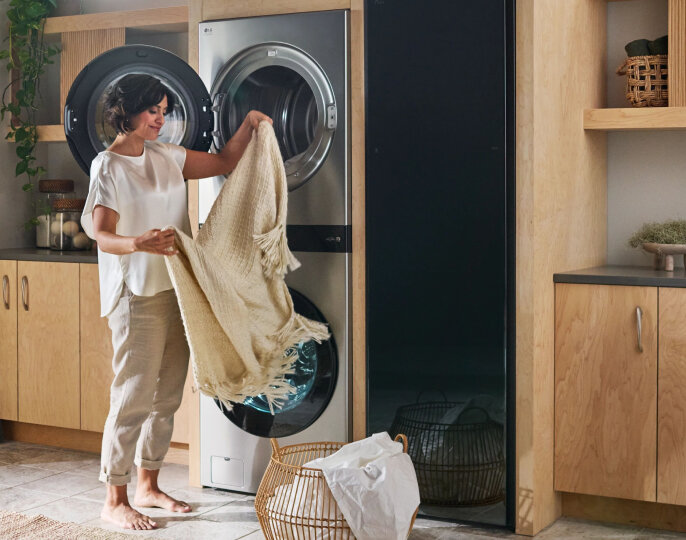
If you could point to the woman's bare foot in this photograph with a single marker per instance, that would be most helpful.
(159, 499)
(122, 515)
(148, 493)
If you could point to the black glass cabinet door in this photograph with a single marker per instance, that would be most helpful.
(440, 245)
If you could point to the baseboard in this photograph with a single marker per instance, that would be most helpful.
(639, 513)
(74, 439)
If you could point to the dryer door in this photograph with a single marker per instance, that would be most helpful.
(313, 383)
(288, 85)
(189, 124)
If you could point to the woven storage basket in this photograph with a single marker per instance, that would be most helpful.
(457, 464)
(317, 515)
(646, 80)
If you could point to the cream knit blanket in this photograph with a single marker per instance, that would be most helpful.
(237, 312)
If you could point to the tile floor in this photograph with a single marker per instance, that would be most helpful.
(62, 484)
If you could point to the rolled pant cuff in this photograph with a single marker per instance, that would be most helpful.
(115, 479)
(148, 465)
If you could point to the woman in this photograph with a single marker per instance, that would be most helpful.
(136, 188)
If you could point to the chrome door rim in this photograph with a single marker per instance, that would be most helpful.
(299, 168)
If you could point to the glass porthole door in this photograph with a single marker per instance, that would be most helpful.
(288, 85)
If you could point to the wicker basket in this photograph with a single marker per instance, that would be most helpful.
(457, 464)
(646, 80)
(320, 518)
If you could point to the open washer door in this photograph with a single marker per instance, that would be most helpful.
(188, 125)
(313, 384)
(288, 85)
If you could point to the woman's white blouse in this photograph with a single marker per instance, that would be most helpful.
(148, 192)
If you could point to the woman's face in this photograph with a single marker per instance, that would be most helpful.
(147, 124)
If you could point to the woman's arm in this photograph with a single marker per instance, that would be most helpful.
(205, 165)
(152, 241)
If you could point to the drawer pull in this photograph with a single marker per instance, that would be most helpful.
(25, 292)
(639, 316)
(6, 291)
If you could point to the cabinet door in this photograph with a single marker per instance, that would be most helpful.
(606, 391)
(671, 404)
(48, 324)
(8, 341)
(96, 353)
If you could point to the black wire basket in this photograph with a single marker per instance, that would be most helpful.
(458, 463)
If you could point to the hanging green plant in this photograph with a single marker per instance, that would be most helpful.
(26, 54)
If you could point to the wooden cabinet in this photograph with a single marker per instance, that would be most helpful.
(96, 352)
(620, 412)
(48, 343)
(671, 403)
(605, 390)
(8, 341)
(56, 356)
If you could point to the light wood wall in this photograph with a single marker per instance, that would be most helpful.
(561, 214)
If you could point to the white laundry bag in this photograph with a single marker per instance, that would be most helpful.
(375, 486)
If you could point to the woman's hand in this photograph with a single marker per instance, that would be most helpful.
(156, 241)
(253, 118)
(203, 165)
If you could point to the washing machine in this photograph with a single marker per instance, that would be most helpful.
(295, 68)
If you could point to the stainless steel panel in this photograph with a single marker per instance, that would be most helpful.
(324, 199)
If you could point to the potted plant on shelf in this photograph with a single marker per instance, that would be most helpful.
(26, 54)
(664, 240)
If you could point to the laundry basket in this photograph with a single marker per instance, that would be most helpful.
(294, 502)
(457, 464)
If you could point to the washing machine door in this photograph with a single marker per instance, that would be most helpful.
(287, 84)
(189, 124)
(313, 384)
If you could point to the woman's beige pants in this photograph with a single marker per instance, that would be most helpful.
(150, 363)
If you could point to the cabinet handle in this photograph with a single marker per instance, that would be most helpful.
(639, 316)
(6, 291)
(25, 292)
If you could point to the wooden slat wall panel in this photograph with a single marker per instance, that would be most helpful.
(676, 63)
(79, 48)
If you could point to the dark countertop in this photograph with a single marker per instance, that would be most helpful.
(624, 275)
(49, 255)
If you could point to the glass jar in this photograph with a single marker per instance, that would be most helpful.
(66, 232)
(49, 191)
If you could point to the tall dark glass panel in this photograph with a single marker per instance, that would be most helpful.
(440, 246)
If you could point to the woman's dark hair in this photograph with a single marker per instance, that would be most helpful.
(131, 95)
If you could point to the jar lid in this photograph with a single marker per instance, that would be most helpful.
(66, 205)
(55, 186)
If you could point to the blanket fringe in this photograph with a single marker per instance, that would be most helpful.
(299, 328)
(272, 384)
(276, 257)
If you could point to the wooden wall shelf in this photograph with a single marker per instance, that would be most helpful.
(635, 119)
(169, 19)
(52, 133)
